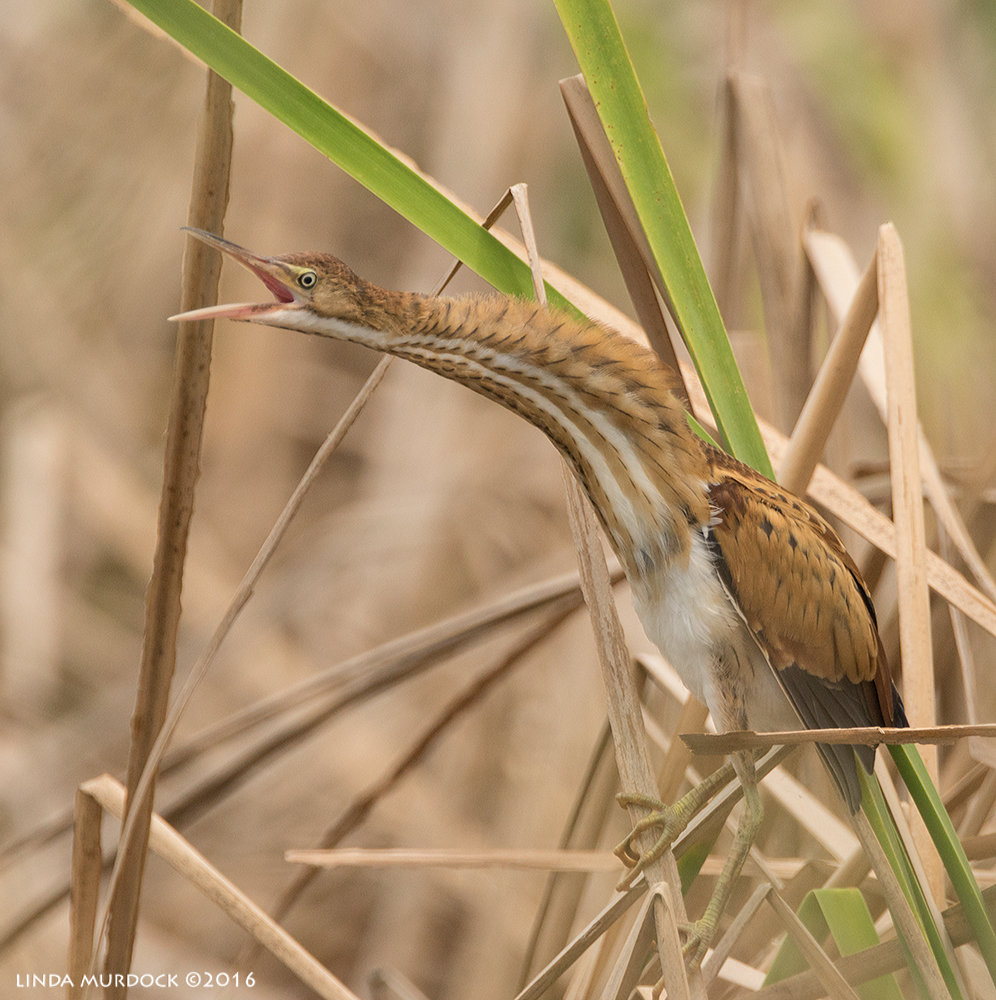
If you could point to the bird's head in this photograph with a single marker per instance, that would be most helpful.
(309, 289)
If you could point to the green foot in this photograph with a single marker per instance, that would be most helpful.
(698, 937)
(670, 819)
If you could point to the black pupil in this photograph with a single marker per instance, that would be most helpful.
(307, 280)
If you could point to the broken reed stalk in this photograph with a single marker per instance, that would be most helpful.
(177, 852)
(629, 242)
(191, 377)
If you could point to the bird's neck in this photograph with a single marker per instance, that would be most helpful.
(604, 401)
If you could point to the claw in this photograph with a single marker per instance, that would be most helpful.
(698, 936)
(666, 817)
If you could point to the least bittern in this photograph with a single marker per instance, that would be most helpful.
(745, 588)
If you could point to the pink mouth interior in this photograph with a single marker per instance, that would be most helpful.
(278, 289)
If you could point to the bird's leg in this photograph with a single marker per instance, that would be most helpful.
(672, 819)
(700, 933)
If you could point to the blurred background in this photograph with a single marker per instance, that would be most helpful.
(438, 501)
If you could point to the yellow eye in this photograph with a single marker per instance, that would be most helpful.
(307, 279)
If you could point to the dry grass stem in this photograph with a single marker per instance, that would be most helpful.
(837, 273)
(241, 597)
(622, 225)
(709, 744)
(907, 507)
(776, 249)
(712, 966)
(592, 932)
(829, 976)
(826, 400)
(191, 378)
(86, 868)
(523, 859)
(624, 710)
(195, 868)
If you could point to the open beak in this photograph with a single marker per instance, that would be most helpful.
(270, 270)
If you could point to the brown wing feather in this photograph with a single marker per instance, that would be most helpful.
(802, 597)
(798, 589)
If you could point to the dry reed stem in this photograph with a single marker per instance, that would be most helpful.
(726, 209)
(837, 275)
(592, 933)
(238, 602)
(86, 867)
(776, 248)
(361, 805)
(191, 377)
(721, 951)
(520, 859)
(678, 757)
(624, 710)
(907, 492)
(907, 513)
(196, 869)
(622, 224)
(708, 744)
(826, 400)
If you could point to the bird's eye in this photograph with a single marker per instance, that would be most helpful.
(307, 279)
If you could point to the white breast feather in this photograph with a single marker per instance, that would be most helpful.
(687, 614)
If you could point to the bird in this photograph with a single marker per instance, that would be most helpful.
(744, 587)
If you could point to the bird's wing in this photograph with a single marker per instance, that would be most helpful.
(803, 599)
(797, 588)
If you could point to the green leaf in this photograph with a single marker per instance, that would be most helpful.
(945, 838)
(345, 143)
(843, 915)
(611, 79)
(875, 808)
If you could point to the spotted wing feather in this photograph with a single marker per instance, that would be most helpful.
(803, 599)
